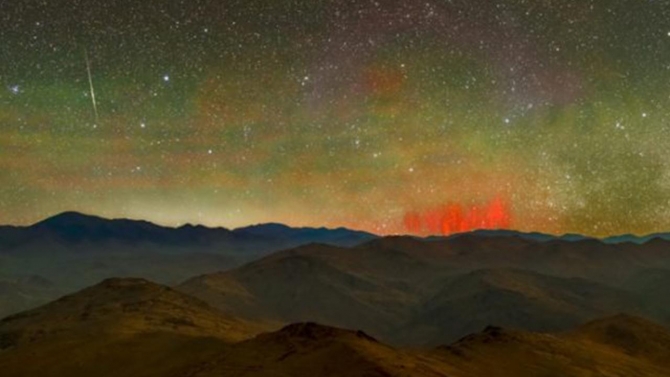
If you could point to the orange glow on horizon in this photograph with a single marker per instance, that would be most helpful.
(455, 218)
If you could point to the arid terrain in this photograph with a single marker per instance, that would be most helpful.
(482, 303)
(124, 327)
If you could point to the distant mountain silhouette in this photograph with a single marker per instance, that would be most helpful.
(74, 250)
(77, 227)
(637, 239)
(543, 237)
(533, 236)
(337, 236)
(74, 228)
(88, 225)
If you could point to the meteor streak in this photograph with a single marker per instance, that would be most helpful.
(90, 83)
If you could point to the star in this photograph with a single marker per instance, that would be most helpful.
(382, 108)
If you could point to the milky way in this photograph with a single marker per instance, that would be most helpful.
(389, 116)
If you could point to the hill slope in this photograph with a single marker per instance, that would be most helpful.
(308, 349)
(515, 299)
(131, 327)
(118, 327)
(73, 251)
(409, 291)
(298, 287)
(497, 352)
(633, 336)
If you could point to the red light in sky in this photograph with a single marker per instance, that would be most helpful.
(456, 218)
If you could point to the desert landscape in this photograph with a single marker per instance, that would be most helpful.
(335, 302)
(303, 188)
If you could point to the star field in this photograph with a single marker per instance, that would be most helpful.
(339, 113)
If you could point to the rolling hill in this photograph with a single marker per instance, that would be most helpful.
(599, 348)
(515, 299)
(309, 349)
(295, 287)
(118, 327)
(124, 327)
(404, 290)
(74, 250)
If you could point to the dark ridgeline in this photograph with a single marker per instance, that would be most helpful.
(74, 227)
(72, 250)
(300, 287)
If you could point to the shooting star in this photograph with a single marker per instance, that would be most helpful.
(90, 83)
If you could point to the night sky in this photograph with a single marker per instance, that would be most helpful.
(428, 116)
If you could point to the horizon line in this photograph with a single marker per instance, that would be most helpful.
(427, 236)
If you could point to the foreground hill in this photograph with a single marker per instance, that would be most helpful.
(615, 346)
(308, 349)
(599, 348)
(129, 325)
(633, 336)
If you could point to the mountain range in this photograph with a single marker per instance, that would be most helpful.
(271, 300)
(71, 251)
(124, 327)
(405, 290)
